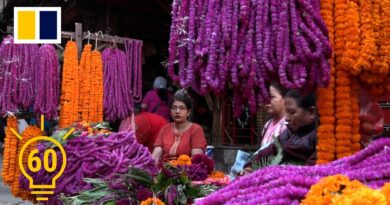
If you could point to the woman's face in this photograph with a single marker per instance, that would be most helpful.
(276, 106)
(179, 111)
(296, 116)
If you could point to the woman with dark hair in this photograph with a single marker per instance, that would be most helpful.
(181, 137)
(299, 140)
(157, 100)
(277, 124)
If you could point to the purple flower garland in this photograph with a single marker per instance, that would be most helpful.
(17, 71)
(118, 102)
(277, 184)
(248, 43)
(47, 82)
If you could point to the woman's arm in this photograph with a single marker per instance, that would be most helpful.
(156, 155)
(196, 151)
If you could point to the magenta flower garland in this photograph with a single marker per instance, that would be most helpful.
(277, 184)
(17, 75)
(248, 44)
(47, 83)
(133, 52)
(118, 103)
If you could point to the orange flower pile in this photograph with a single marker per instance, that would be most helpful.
(70, 87)
(325, 103)
(182, 160)
(339, 190)
(28, 133)
(10, 162)
(152, 201)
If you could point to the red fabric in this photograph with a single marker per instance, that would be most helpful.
(192, 138)
(148, 126)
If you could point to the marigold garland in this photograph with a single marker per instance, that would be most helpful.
(352, 40)
(69, 111)
(152, 201)
(355, 138)
(10, 152)
(325, 103)
(28, 133)
(85, 82)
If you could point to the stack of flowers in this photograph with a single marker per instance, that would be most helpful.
(290, 184)
(197, 168)
(92, 157)
(338, 189)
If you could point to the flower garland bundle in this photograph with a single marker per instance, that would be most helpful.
(10, 152)
(47, 83)
(338, 189)
(248, 43)
(343, 112)
(351, 38)
(69, 111)
(290, 184)
(326, 144)
(117, 103)
(133, 51)
(96, 97)
(93, 157)
(85, 83)
(17, 69)
(29, 133)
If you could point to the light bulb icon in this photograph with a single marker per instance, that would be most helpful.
(35, 163)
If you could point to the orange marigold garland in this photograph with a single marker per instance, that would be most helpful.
(70, 86)
(352, 40)
(325, 103)
(28, 133)
(10, 151)
(355, 139)
(85, 83)
(96, 97)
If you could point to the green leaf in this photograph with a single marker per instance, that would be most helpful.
(110, 203)
(140, 176)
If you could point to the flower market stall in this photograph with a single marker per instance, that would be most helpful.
(338, 49)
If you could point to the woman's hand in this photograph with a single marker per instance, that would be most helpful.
(156, 155)
(245, 171)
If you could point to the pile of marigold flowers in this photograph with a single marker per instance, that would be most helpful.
(338, 189)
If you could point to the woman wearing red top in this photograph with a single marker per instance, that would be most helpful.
(147, 127)
(181, 136)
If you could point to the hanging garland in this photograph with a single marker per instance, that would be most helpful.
(10, 152)
(17, 68)
(326, 144)
(355, 138)
(117, 103)
(85, 83)
(47, 83)
(69, 109)
(29, 133)
(96, 99)
(133, 52)
(217, 42)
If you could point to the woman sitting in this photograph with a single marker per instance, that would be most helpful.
(299, 141)
(275, 126)
(181, 137)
